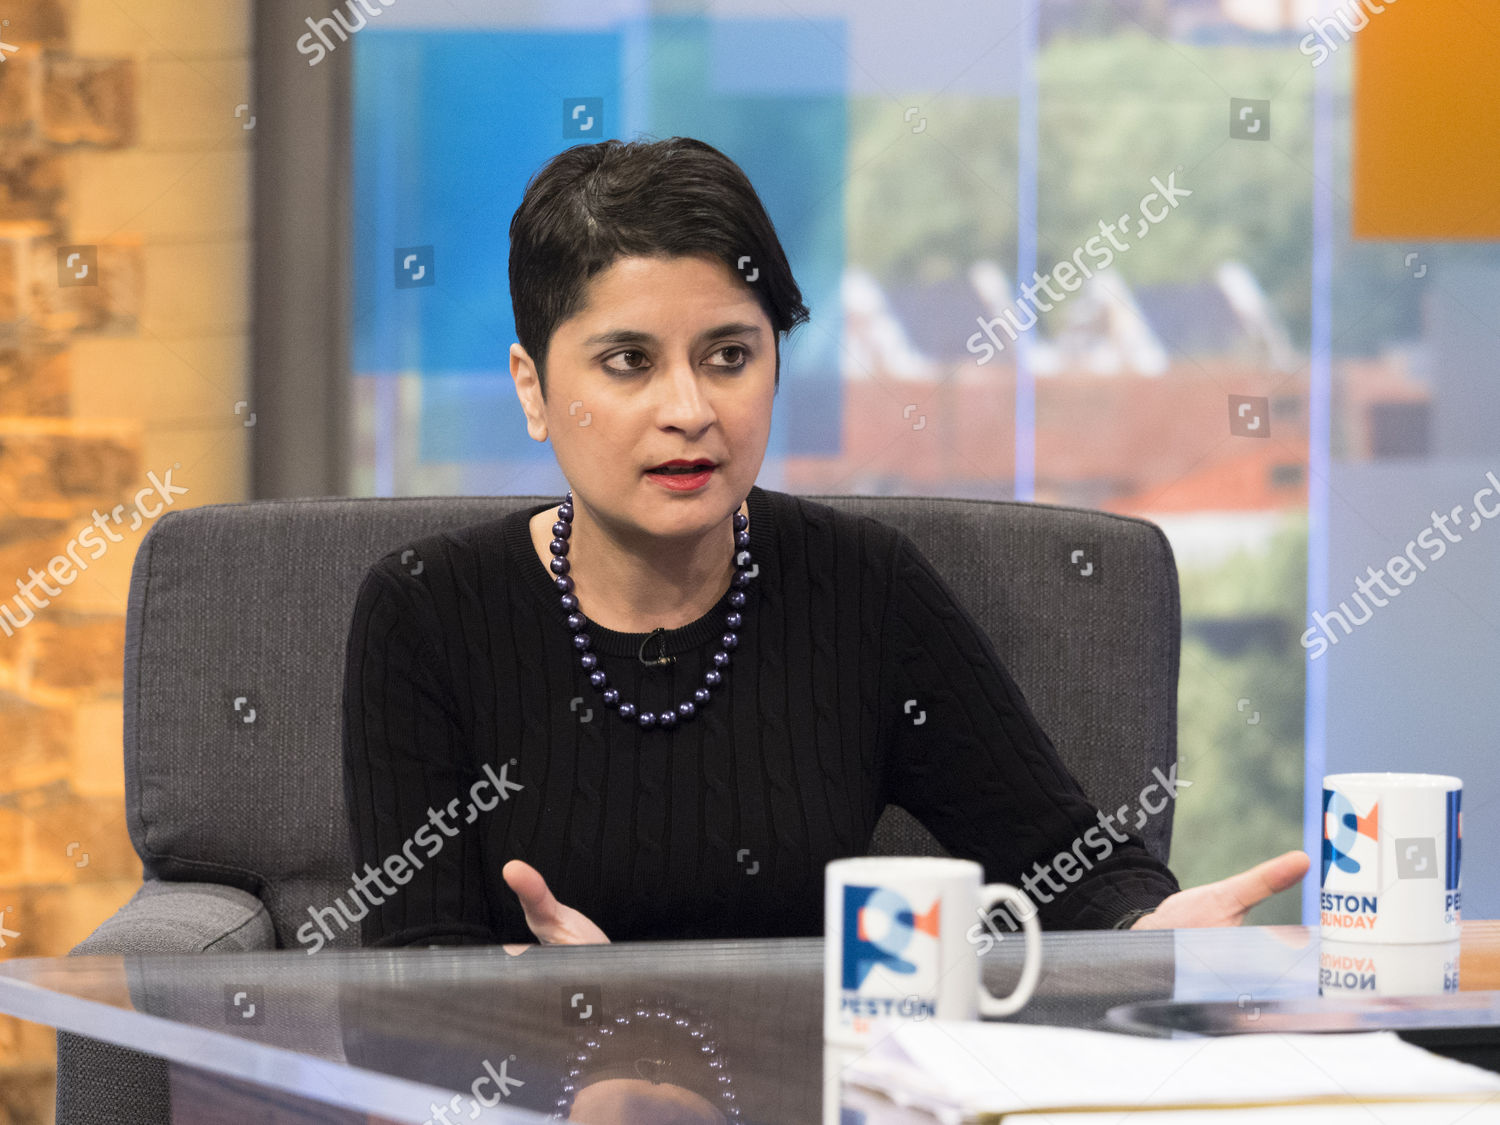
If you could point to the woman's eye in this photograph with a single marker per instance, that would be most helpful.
(628, 368)
(739, 350)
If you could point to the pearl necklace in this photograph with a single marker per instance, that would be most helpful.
(562, 530)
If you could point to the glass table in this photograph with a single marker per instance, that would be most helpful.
(720, 1030)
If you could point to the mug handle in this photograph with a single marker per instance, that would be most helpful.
(1031, 970)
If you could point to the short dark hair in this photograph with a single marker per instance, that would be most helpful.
(592, 204)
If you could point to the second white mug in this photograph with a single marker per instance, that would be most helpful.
(1392, 846)
(896, 944)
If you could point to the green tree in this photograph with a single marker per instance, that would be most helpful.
(1245, 759)
(1115, 110)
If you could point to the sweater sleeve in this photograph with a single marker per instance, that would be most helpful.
(407, 774)
(968, 759)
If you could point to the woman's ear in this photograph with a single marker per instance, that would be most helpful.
(529, 391)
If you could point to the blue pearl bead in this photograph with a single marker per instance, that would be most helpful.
(576, 620)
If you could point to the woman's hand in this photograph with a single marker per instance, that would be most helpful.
(551, 921)
(1226, 902)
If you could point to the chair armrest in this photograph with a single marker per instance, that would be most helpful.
(165, 917)
(102, 1084)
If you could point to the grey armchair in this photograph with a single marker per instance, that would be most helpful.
(234, 650)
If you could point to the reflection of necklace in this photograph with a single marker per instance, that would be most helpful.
(562, 530)
(689, 1026)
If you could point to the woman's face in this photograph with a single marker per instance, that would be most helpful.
(670, 359)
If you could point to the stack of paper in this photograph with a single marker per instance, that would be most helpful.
(1030, 1074)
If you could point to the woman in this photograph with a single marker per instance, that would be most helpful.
(686, 689)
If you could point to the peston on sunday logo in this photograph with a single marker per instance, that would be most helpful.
(1351, 867)
(886, 939)
(1351, 849)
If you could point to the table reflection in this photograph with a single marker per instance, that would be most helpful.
(660, 1061)
(654, 1031)
(620, 1035)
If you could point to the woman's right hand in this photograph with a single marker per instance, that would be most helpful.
(549, 920)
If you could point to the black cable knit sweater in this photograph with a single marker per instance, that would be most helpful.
(472, 736)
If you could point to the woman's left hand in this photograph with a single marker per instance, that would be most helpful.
(551, 921)
(1226, 902)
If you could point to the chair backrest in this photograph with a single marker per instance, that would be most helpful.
(239, 613)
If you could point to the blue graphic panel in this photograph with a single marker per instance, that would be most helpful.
(449, 126)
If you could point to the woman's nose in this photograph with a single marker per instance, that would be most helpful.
(684, 405)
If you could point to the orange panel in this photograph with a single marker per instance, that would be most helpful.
(1426, 149)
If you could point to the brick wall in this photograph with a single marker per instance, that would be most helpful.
(125, 134)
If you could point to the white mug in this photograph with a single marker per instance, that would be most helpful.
(1391, 849)
(897, 947)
